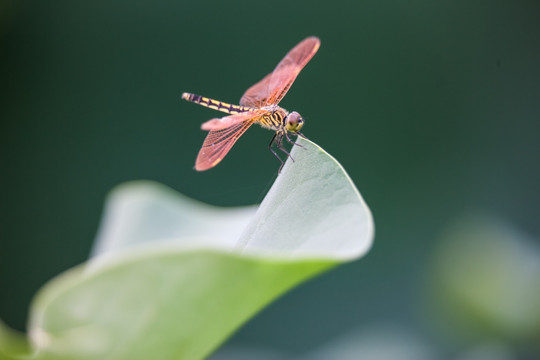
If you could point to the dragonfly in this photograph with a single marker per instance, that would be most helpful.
(259, 104)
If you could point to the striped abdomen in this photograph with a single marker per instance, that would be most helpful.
(215, 104)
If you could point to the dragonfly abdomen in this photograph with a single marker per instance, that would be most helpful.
(215, 104)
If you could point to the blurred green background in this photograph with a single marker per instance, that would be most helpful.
(432, 107)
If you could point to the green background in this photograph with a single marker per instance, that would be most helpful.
(432, 107)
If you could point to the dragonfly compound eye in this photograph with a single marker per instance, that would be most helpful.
(294, 122)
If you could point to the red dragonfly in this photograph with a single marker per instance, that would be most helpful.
(259, 104)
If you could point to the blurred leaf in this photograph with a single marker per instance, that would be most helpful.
(149, 213)
(488, 276)
(170, 282)
(11, 343)
(378, 341)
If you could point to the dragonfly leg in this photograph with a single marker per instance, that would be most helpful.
(293, 142)
(277, 139)
(280, 145)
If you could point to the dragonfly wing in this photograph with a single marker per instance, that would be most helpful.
(219, 141)
(228, 121)
(289, 68)
(274, 86)
(256, 95)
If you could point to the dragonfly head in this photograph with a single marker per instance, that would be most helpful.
(294, 122)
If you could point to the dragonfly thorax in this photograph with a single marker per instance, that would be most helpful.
(278, 119)
(274, 118)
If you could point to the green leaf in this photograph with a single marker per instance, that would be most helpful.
(173, 278)
(12, 343)
(486, 275)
